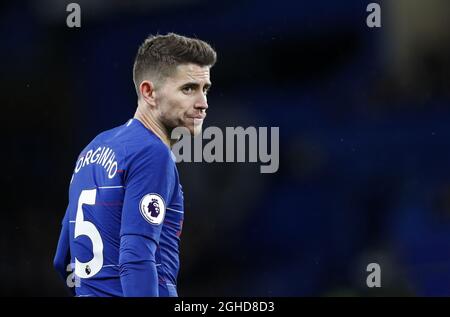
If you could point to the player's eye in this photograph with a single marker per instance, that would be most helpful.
(188, 90)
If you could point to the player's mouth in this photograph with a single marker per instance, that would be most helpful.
(199, 116)
(198, 119)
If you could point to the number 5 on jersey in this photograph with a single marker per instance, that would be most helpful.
(86, 228)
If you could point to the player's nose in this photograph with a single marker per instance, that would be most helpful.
(202, 102)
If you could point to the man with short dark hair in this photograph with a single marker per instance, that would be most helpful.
(122, 226)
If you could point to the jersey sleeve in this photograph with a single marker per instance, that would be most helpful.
(149, 185)
(138, 274)
(62, 256)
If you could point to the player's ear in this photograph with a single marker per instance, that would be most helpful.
(147, 90)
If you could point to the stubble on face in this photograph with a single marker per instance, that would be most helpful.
(182, 99)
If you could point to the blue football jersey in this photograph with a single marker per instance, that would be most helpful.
(125, 182)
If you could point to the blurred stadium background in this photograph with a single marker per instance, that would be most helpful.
(364, 125)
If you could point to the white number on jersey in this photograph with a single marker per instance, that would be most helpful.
(86, 228)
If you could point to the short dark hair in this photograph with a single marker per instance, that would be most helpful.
(159, 55)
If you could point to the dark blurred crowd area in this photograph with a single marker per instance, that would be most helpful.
(364, 140)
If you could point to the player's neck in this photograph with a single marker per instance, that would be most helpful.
(151, 123)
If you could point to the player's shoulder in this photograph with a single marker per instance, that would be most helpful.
(110, 136)
(140, 139)
(141, 143)
(134, 143)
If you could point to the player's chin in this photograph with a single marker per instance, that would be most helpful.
(195, 128)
